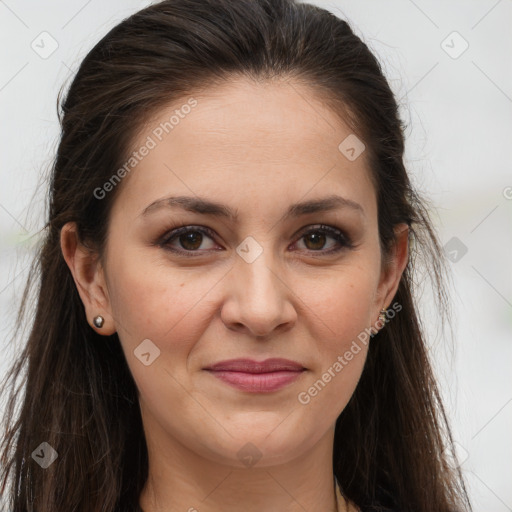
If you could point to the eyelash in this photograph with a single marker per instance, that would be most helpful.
(338, 235)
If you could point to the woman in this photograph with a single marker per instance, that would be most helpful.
(225, 318)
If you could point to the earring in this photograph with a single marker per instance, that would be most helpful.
(98, 321)
(382, 317)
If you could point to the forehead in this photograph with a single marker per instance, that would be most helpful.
(243, 113)
(248, 140)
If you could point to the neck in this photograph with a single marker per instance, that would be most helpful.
(180, 479)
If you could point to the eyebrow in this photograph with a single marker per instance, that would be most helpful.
(207, 207)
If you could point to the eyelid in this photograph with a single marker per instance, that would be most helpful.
(172, 232)
(333, 231)
(338, 234)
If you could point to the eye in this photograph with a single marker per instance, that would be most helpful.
(316, 238)
(188, 239)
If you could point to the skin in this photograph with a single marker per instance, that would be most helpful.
(257, 148)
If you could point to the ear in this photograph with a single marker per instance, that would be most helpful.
(393, 267)
(89, 278)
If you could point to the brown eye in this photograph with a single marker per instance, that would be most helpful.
(191, 240)
(315, 240)
(188, 240)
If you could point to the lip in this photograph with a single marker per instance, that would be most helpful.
(257, 376)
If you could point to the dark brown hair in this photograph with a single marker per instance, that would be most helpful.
(79, 396)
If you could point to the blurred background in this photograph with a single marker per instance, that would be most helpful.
(449, 66)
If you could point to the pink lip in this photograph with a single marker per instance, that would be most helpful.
(257, 376)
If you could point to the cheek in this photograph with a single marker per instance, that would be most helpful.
(167, 308)
(341, 302)
(150, 300)
(341, 311)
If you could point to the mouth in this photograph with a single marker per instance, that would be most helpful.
(257, 376)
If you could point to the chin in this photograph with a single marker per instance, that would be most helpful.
(264, 445)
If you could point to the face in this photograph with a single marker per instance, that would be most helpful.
(256, 276)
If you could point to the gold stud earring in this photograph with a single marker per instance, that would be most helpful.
(382, 317)
(98, 321)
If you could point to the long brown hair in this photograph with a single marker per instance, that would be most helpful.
(76, 391)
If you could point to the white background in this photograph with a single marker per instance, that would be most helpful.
(459, 117)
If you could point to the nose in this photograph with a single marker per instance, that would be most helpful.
(258, 299)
